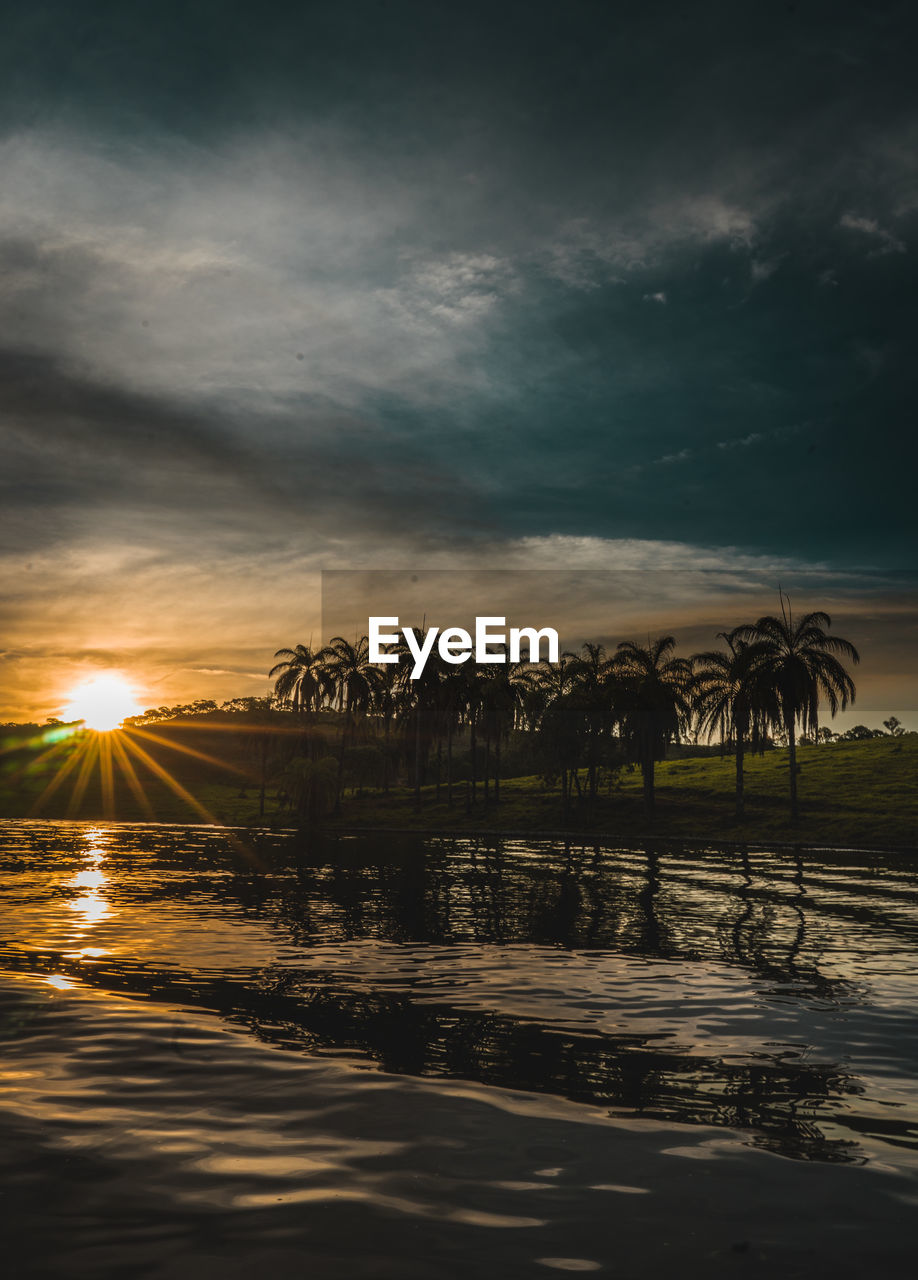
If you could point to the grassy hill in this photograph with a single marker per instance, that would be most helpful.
(851, 793)
(861, 794)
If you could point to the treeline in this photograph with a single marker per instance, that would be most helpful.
(584, 716)
(200, 707)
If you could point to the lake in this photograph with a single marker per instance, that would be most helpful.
(402, 1056)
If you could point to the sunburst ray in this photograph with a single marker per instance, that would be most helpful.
(130, 775)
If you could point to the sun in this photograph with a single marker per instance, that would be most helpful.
(102, 702)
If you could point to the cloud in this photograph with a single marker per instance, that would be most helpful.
(741, 442)
(761, 269)
(587, 252)
(267, 274)
(885, 241)
(460, 287)
(641, 554)
(235, 672)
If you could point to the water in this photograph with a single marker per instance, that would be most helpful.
(398, 1057)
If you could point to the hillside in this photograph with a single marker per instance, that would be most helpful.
(852, 793)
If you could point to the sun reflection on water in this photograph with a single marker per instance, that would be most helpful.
(92, 906)
(60, 983)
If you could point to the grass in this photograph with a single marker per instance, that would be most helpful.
(860, 794)
(851, 793)
(216, 802)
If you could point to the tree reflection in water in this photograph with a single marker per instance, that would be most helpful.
(393, 952)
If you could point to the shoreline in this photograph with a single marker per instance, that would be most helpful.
(605, 837)
(555, 834)
(860, 796)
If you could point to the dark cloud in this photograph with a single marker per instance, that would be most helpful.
(74, 444)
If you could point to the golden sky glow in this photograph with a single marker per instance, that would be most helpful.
(180, 635)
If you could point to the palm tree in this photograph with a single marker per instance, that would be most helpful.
(653, 700)
(417, 706)
(552, 707)
(302, 678)
(354, 679)
(591, 669)
(801, 663)
(450, 707)
(501, 694)
(385, 706)
(459, 701)
(732, 697)
(261, 744)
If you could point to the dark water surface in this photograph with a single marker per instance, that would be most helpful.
(406, 1057)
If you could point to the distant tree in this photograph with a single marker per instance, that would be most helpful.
(860, 733)
(246, 704)
(200, 707)
(893, 727)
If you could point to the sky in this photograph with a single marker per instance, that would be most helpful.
(295, 287)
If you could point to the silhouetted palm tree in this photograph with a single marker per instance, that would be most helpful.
(500, 700)
(354, 679)
(385, 705)
(733, 697)
(302, 678)
(551, 705)
(592, 668)
(801, 664)
(653, 699)
(773, 674)
(451, 706)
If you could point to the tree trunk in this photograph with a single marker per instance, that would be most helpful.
(449, 766)
(740, 777)
(264, 775)
(647, 775)
(474, 758)
(339, 787)
(792, 761)
(497, 766)
(487, 768)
